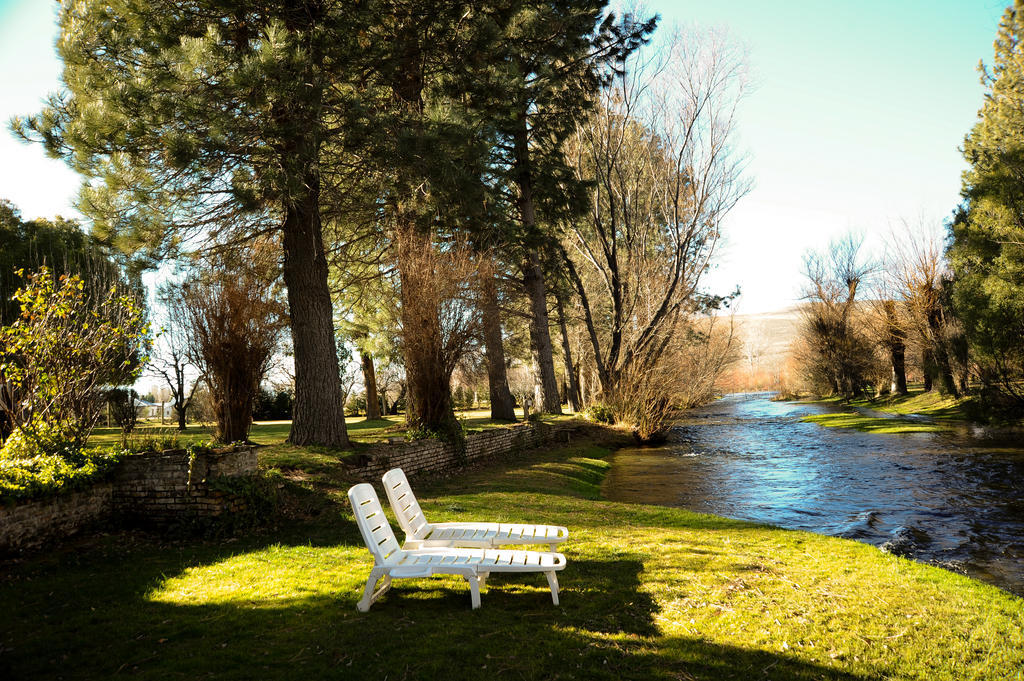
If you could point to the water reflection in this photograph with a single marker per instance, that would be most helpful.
(954, 500)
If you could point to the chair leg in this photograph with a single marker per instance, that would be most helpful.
(474, 591)
(553, 583)
(369, 597)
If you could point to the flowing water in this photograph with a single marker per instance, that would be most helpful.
(953, 500)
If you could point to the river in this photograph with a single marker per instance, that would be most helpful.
(950, 499)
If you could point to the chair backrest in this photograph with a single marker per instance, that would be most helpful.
(373, 524)
(403, 502)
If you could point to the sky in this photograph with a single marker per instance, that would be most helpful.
(853, 122)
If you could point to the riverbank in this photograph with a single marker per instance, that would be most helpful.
(649, 592)
(916, 412)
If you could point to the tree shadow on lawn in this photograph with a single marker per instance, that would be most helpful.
(89, 620)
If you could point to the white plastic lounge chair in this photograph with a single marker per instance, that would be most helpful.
(421, 534)
(391, 561)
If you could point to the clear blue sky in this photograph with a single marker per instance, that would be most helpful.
(854, 121)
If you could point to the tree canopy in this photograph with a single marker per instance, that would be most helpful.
(987, 249)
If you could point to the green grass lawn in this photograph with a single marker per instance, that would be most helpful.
(874, 424)
(649, 593)
(276, 432)
(940, 413)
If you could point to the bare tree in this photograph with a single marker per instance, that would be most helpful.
(835, 352)
(439, 324)
(234, 320)
(171, 360)
(659, 151)
(890, 331)
(918, 274)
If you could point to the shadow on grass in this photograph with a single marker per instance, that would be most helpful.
(281, 605)
(91, 617)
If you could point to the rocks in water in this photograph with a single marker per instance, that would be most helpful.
(906, 541)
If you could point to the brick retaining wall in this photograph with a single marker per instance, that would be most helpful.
(32, 523)
(432, 456)
(152, 488)
(159, 488)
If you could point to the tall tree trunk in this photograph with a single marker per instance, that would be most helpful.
(370, 381)
(180, 401)
(533, 280)
(502, 402)
(533, 273)
(927, 368)
(895, 341)
(572, 387)
(940, 355)
(318, 416)
(897, 356)
(393, 410)
(429, 399)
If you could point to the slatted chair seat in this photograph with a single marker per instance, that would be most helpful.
(392, 561)
(422, 534)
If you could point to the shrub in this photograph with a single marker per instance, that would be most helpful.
(39, 438)
(27, 472)
(234, 318)
(66, 345)
(599, 413)
(124, 408)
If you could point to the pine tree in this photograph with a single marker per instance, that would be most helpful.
(211, 122)
(554, 55)
(987, 251)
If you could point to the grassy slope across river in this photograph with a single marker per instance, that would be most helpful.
(649, 592)
(918, 412)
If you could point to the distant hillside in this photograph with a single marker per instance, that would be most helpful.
(768, 335)
(764, 341)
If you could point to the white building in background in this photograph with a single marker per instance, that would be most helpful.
(152, 410)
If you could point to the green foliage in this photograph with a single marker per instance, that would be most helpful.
(273, 406)
(61, 245)
(987, 249)
(599, 413)
(39, 438)
(355, 405)
(259, 493)
(47, 463)
(64, 348)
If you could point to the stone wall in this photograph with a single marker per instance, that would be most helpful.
(164, 487)
(153, 488)
(32, 523)
(432, 456)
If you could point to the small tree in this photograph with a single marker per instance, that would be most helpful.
(438, 327)
(836, 355)
(61, 352)
(234, 323)
(123, 404)
(918, 274)
(171, 360)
